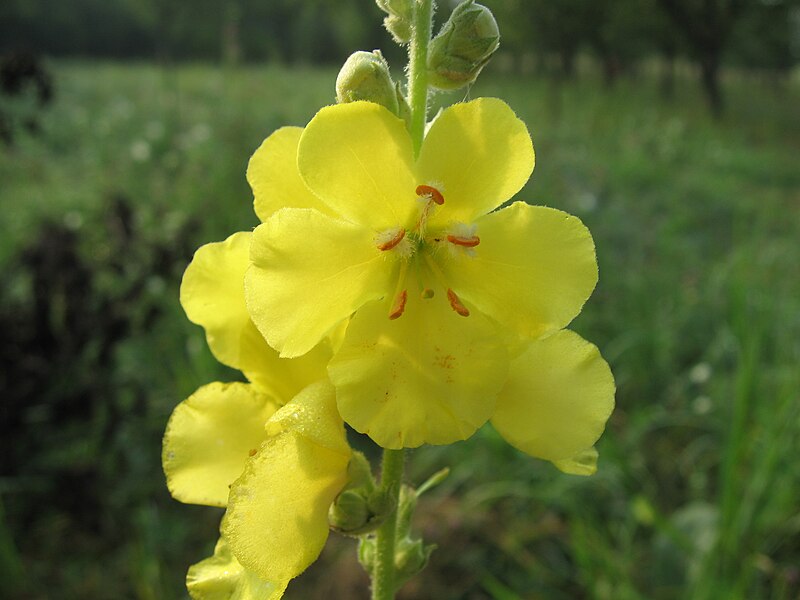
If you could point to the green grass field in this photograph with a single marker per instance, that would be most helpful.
(696, 223)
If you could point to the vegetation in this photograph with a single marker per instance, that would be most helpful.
(698, 312)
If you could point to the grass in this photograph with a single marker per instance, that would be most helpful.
(698, 311)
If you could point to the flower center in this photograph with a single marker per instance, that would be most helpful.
(416, 247)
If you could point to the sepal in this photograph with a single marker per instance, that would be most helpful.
(398, 19)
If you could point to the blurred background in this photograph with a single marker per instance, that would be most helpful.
(670, 127)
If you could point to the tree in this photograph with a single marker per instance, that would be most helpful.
(706, 26)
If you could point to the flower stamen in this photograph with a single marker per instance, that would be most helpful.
(432, 196)
(466, 242)
(387, 243)
(456, 304)
(399, 305)
(428, 191)
(400, 294)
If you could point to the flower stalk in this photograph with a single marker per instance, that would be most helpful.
(383, 574)
(418, 70)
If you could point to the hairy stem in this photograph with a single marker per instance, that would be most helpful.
(383, 577)
(418, 70)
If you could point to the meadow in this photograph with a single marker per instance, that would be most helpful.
(696, 223)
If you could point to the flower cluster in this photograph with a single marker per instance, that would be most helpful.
(389, 292)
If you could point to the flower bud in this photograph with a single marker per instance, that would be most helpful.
(463, 46)
(359, 511)
(348, 512)
(365, 76)
(398, 21)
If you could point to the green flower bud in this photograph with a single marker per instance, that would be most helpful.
(398, 21)
(463, 46)
(365, 76)
(348, 512)
(357, 511)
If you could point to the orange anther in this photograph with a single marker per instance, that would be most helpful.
(399, 305)
(253, 452)
(430, 192)
(389, 244)
(467, 242)
(455, 303)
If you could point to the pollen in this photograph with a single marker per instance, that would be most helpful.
(456, 304)
(399, 305)
(428, 191)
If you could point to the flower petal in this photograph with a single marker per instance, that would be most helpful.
(534, 269)
(430, 376)
(221, 577)
(212, 294)
(357, 157)
(558, 397)
(277, 519)
(273, 175)
(208, 439)
(309, 273)
(480, 154)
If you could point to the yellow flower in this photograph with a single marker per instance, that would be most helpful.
(273, 450)
(231, 415)
(432, 279)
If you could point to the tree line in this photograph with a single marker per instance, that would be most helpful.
(756, 34)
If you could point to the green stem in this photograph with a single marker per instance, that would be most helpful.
(383, 579)
(418, 70)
